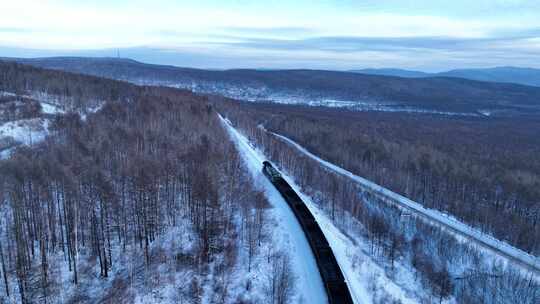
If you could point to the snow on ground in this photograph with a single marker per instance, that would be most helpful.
(90, 110)
(34, 130)
(4, 154)
(45, 97)
(493, 246)
(263, 93)
(382, 107)
(360, 269)
(367, 281)
(48, 108)
(130, 279)
(50, 104)
(26, 131)
(7, 94)
(56, 104)
(309, 283)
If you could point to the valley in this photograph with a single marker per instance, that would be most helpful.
(447, 96)
(106, 184)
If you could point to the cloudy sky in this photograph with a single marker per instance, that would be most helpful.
(428, 35)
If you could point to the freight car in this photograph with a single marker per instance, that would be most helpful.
(332, 277)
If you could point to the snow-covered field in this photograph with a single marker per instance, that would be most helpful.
(366, 279)
(34, 130)
(497, 248)
(26, 131)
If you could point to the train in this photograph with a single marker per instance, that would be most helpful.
(332, 277)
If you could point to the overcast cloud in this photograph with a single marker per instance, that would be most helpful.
(340, 34)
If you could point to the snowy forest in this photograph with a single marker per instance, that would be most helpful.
(269, 152)
(483, 171)
(401, 242)
(145, 192)
(112, 192)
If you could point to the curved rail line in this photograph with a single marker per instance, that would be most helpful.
(526, 261)
(332, 277)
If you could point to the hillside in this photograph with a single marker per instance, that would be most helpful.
(149, 194)
(524, 76)
(327, 88)
(393, 72)
(140, 200)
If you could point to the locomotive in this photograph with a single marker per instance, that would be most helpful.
(332, 277)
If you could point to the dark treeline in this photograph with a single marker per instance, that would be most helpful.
(96, 190)
(442, 264)
(485, 172)
(16, 107)
(22, 79)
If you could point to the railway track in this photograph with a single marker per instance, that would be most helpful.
(527, 262)
(332, 277)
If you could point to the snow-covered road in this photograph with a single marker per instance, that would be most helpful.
(500, 248)
(309, 282)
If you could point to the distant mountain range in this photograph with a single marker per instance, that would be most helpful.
(525, 76)
(443, 95)
(393, 72)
